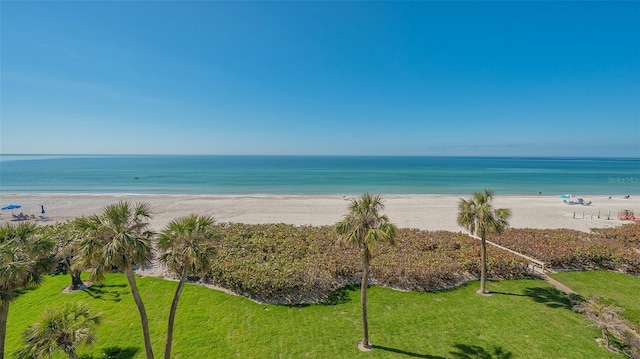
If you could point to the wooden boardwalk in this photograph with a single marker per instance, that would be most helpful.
(537, 266)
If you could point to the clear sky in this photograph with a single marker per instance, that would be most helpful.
(505, 78)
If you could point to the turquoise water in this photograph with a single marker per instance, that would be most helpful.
(316, 175)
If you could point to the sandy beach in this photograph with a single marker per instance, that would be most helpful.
(423, 212)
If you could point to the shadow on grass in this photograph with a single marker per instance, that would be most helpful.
(464, 351)
(107, 292)
(551, 297)
(512, 294)
(404, 352)
(16, 293)
(115, 353)
(340, 296)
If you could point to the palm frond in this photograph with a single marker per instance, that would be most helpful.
(118, 237)
(187, 243)
(479, 217)
(25, 256)
(364, 225)
(61, 329)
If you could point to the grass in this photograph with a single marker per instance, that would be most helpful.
(615, 288)
(522, 319)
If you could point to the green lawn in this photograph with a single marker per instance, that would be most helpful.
(621, 289)
(522, 319)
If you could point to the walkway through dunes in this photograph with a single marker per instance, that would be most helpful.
(559, 286)
(536, 265)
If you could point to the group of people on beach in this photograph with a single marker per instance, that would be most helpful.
(27, 217)
(23, 217)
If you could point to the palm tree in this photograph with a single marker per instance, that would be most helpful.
(480, 218)
(24, 258)
(604, 317)
(119, 238)
(64, 329)
(364, 226)
(65, 236)
(186, 248)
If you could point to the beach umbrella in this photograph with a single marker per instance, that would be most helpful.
(41, 206)
(11, 207)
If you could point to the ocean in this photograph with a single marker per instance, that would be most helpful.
(316, 175)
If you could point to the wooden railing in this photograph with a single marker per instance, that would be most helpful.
(536, 265)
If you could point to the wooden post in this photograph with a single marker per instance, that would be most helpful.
(609, 215)
(574, 215)
(598, 214)
(592, 216)
(582, 215)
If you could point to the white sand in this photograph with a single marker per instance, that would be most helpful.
(424, 212)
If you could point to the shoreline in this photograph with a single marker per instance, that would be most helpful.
(428, 212)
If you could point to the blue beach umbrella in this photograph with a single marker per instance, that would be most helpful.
(41, 206)
(11, 207)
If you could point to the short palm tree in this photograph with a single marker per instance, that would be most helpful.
(186, 246)
(64, 329)
(119, 238)
(479, 217)
(24, 258)
(364, 226)
(604, 317)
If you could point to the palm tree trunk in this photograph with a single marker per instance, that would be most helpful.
(483, 264)
(76, 281)
(143, 313)
(172, 313)
(72, 355)
(4, 312)
(363, 297)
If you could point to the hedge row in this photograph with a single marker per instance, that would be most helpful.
(279, 263)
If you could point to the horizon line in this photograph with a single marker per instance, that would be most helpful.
(309, 155)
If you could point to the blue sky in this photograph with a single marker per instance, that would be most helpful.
(321, 78)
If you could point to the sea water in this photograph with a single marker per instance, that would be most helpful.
(315, 175)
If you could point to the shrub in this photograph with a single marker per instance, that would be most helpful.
(285, 264)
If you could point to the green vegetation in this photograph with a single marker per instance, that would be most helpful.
(280, 263)
(522, 319)
(617, 336)
(63, 329)
(186, 248)
(613, 248)
(627, 233)
(613, 288)
(24, 257)
(283, 264)
(119, 238)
